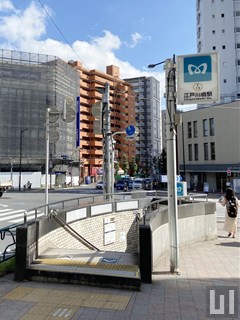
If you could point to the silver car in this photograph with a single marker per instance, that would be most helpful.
(137, 184)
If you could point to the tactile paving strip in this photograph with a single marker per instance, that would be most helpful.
(78, 263)
(50, 311)
(55, 304)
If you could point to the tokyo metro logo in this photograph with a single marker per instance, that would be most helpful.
(197, 68)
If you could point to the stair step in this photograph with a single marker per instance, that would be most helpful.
(108, 269)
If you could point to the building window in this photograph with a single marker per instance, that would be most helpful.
(213, 31)
(238, 62)
(214, 47)
(189, 129)
(212, 150)
(196, 152)
(224, 80)
(213, 16)
(238, 79)
(237, 45)
(195, 131)
(190, 152)
(205, 128)
(205, 149)
(237, 29)
(223, 30)
(211, 126)
(222, 15)
(223, 47)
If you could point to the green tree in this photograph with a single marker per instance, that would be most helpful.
(133, 167)
(125, 164)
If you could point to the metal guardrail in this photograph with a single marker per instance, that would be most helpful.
(4, 232)
(45, 210)
(62, 205)
(191, 197)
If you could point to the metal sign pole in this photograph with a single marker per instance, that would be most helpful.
(107, 142)
(171, 164)
(47, 159)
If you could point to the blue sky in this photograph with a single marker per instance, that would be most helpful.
(127, 33)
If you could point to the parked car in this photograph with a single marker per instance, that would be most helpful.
(99, 185)
(129, 182)
(137, 184)
(120, 185)
(147, 184)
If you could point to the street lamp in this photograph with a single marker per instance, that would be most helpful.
(20, 158)
(106, 132)
(170, 71)
(68, 116)
(153, 65)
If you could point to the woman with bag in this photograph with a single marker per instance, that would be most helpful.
(231, 203)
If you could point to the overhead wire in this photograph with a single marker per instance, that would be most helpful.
(59, 30)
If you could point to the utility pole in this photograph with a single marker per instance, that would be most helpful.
(107, 154)
(170, 71)
(47, 158)
(20, 158)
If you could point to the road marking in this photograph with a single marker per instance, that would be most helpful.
(17, 216)
(9, 211)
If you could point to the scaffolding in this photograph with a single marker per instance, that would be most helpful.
(29, 84)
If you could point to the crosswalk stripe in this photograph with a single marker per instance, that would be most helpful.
(17, 216)
(5, 210)
(10, 212)
(29, 217)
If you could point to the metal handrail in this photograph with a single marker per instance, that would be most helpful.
(66, 225)
(3, 232)
(148, 207)
(46, 209)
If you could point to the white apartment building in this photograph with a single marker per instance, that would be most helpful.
(209, 147)
(218, 30)
(148, 120)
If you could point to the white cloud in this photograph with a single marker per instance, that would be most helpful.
(24, 30)
(6, 5)
(20, 27)
(136, 38)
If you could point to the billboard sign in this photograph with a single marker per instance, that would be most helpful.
(198, 79)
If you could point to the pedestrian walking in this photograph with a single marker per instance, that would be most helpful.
(230, 201)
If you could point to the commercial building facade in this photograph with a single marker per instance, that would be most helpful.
(31, 84)
(208, 146)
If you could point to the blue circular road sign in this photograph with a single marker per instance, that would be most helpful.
(130, 130)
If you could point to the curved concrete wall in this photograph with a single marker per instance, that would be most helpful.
(196, 222)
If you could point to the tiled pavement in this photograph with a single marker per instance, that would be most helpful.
(213, 264)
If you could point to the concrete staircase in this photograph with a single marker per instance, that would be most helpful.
(87, 267)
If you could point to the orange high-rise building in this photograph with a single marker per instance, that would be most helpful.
(122, 106)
